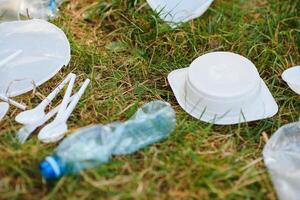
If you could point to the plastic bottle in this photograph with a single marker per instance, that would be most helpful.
(11, 10)
(39, 9)
(95, 145)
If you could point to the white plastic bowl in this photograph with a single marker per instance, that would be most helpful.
(292, 77)
(222, 88)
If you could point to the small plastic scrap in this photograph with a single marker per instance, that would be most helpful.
(33, 9)
(95, 145)
(40, 9)
(292, 77)
(281, 156)
(178, 11)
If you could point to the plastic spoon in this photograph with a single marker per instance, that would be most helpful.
(33, 115)
(62, 108)
(55, 131)
(12, 102)
(26, 131)
(11, 57)
(3, 109)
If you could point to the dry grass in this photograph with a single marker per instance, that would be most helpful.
(127, 52)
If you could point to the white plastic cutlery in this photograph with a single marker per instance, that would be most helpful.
(12, 102)
(56, 130)
(27, 130)
(38, 113)
(66, 98)
(10, 58)
(3, 109)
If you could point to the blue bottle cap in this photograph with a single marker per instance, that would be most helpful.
(52, 6)
(50, 168)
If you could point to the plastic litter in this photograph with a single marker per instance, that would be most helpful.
(222, 88)
(4, 107)
(56, 130)
(36, 114)
(292, 77)
(24, 133)
(177, 11)
(93, 146)
(40, 9)
(281, 156)
(42, 44)
(12, 102)
(11, 10)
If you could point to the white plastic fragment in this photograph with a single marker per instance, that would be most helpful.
(12, 102)
(4, 107)
(177, 11)
(292, 77)
(282, 158)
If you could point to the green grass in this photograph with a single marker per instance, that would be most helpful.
(127, 52)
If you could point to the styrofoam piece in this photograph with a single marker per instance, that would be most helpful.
(45, 50)
(222, 88)
(292, 77)
(4, 107)
(177, 11)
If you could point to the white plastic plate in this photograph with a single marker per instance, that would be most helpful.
(45, 50)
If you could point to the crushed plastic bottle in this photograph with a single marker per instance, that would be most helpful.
(35, 9)
(281, 156)
(93, 146)
(39, 9)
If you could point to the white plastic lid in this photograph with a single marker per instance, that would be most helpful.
(223, 75)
